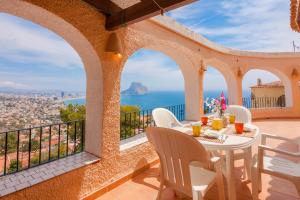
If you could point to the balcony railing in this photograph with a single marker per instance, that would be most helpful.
(263, 102)
(133, 123)
(27, 148)
(257, 102)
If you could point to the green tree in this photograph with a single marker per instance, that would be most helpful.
(73, 113)
(13, 166)
(34, 160)
(11, 142)
(130, 120)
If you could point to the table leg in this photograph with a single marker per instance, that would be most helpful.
(248, 161)
(230, 175)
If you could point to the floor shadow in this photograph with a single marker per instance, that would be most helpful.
(152, 173)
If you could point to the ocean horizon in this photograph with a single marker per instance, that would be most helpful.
(156, 99)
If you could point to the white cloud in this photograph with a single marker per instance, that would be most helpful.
(260, 25)
(23, 42)
(156, 71)
(257, 25)
(11, 84)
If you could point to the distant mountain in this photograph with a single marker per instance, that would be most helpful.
(135, 88)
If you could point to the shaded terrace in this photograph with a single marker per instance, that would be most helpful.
(87, 27)
(145, 185)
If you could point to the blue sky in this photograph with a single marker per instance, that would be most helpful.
(32, 57)
(36, 58)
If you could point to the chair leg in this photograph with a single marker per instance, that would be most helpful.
(259, 180)
(297, 185)
(255, 183)
(197, 195)
(220, 184)
(161, 187)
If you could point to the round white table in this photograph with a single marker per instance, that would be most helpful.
(232, 143)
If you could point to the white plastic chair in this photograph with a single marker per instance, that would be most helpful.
(275, 165)
(185, 166)
(165, 118)
(242, 114)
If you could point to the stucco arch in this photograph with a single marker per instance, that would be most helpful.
(181, 55)
(283, 77)
(88, 55)
(229, 76)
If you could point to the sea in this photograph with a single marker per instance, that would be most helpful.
(156, 99)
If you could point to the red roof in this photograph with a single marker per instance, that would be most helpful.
(270, 85)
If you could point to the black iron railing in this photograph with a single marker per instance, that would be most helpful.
(263, 102)
(257, 102)
(27, 148)
(133, 123)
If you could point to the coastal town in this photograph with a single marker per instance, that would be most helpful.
(25, 110)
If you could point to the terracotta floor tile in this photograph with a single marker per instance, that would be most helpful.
(145, 186)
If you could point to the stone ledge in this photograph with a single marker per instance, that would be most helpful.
(27, 178)
(133, 141)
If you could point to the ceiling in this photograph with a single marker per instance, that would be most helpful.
(120, 13)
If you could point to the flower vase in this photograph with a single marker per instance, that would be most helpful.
(225, 121)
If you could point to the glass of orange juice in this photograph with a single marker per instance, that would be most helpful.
(196, 129)
(204, 120)
(231, 119)
(239, 127)
(217, 124)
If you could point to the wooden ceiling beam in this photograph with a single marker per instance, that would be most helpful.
(105, 6)
(140, 11)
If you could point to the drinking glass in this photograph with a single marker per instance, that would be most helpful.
(239, 127)
(204, 120)
(231, 119)
(196, 129)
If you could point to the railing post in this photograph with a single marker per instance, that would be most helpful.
(5, 153)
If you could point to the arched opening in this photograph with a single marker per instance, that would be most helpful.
(214, 83)
(150, 79)
(264, 89)
(40, 75)
(88, 55)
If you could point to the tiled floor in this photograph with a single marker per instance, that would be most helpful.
(145, 186)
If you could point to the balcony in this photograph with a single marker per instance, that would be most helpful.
(101, 164)
(145, 185)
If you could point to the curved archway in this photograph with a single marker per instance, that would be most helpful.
(267, 88)
(230, 78)
(88, 55)
(186, 62)
(214, 83)
(150, 79)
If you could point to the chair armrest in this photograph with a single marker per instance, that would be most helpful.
(280, 151)
(215, 159)
(264, 136)
(217, 163)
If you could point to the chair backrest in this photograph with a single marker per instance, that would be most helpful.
(241, 113)
(164, 118)
(176, 151)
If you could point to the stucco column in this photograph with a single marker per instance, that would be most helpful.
(194, 95)
(111, 66)
(93, 124)
(239, 92)
(296, 93)
(235, 89)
